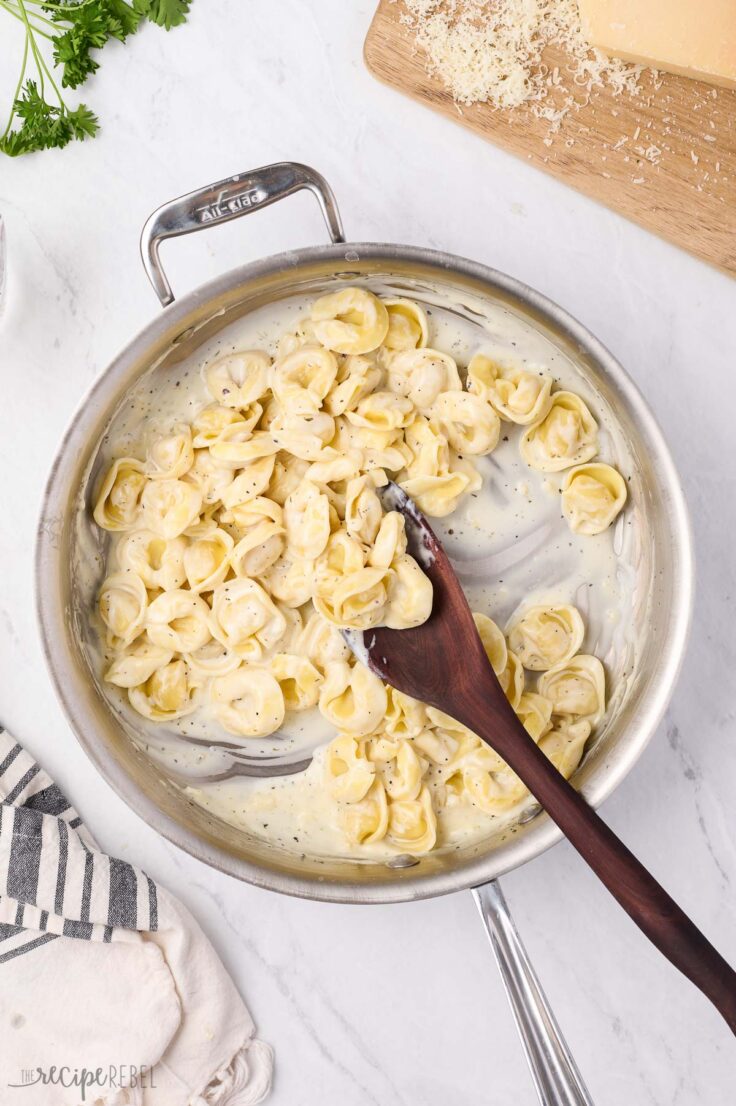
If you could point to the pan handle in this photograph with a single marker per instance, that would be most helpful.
(229, 199)
(556, 1077)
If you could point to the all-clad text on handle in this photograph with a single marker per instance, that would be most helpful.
(229, 199)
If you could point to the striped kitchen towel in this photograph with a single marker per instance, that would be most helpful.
(110, 994)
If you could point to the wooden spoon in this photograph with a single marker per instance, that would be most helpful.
(443, 663)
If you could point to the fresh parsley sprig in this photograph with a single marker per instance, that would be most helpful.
(40, 118)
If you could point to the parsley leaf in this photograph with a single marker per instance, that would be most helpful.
(72, 49)
(83, 122)
(167, 13)
(39, 117)
(44, 125)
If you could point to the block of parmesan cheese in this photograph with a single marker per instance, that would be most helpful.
(696, 38)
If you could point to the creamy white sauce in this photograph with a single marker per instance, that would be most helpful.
(508, 542)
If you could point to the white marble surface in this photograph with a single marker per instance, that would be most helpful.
(395, 1005)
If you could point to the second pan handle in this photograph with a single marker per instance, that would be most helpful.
(229, 199)
(556, 1077)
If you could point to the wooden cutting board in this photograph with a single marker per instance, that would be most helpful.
(666, 158)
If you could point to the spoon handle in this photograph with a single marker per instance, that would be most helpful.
(636, 890)
(556, 1077)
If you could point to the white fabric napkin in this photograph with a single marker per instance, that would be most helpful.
(110, 994)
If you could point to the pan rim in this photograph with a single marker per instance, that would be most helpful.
(410, 887)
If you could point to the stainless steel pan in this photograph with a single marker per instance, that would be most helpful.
(175, 334)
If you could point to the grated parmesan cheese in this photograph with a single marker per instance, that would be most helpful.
(491, 51)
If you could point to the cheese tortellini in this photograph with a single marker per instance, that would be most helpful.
(245, 619)
(567, 435)
(407, 325)
(412, 823)
(352, 698)
(592, 497)
(243, 541)
(248, 702)
(307, 521)
(118, 500)
(301, 380)
(137, 664)
(366, 822)
(422, 376)
(470, 425)
(239, 379)
(518, 395)
(172, 456)
(351, 321)
(545, 636)
(494, 643)
(123, 602)
(170, 506)
(159, 563)
(348, 772)
(576, 688)
(178, 620)
(167, 694)
(206, 560)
